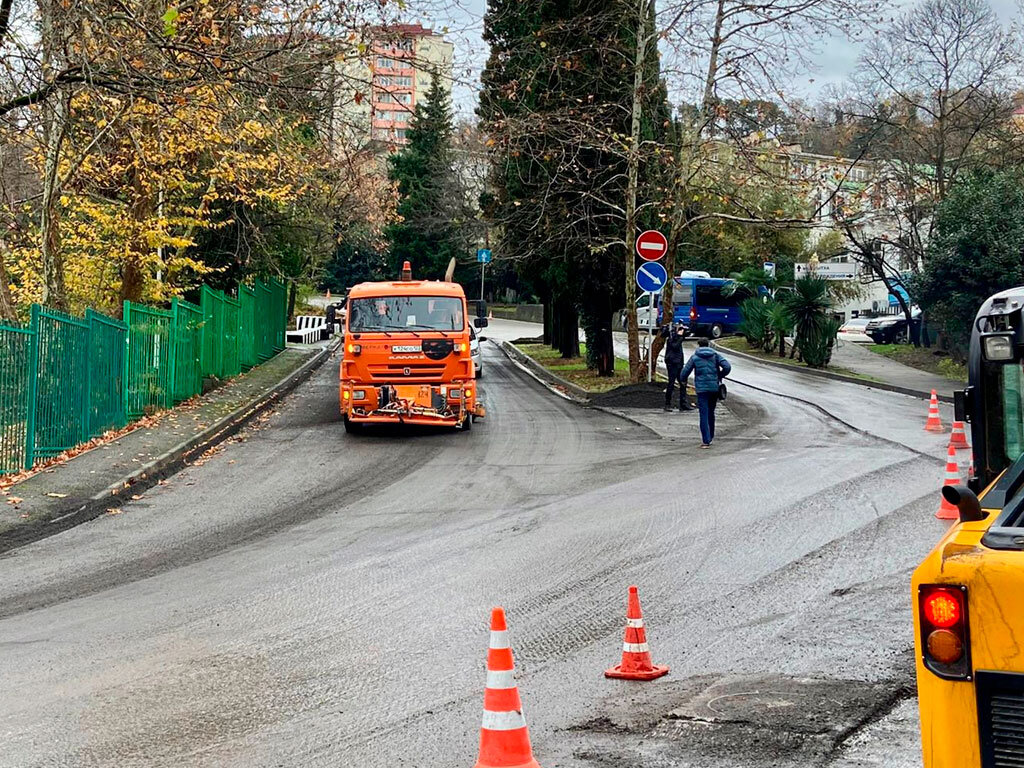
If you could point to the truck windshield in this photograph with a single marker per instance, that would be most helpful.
(414, 313)
(1004, 415)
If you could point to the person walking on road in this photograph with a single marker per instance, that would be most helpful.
(708, 368)
(674, 336)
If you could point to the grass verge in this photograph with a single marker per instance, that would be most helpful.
(574, 369)
(931, 360)
(740, 345)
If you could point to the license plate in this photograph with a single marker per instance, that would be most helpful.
(399, 348)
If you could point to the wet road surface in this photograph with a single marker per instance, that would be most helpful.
(308, 598)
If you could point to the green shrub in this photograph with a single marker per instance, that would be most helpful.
(756, 323)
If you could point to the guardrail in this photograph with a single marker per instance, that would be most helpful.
(65, 380)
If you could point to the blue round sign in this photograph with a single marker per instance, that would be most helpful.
(651, 277)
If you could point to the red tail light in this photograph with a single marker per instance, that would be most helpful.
(693, 313)
(945, 641)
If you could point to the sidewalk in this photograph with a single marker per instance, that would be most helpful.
(84, 487)
(854, 357)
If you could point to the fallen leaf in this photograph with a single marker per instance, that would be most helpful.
(57, 495)
(113, 511)
(14, 500)
(136, 497)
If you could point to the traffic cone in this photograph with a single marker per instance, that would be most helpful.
(328, 293)
(949, 511)
(636, 656)
(958, 439)
(934, 423)
(504, 740)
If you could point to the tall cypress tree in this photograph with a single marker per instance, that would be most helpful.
(556, 103)
(431, 201)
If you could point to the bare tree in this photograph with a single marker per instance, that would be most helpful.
(934, 97)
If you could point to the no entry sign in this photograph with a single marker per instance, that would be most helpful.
(651, 245)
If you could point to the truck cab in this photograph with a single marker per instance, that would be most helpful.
(407, 355)
(969, 592)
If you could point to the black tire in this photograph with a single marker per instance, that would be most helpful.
(467, 422)
(480, 373)
(351, 427)
(716, 331)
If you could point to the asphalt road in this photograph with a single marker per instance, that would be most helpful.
(308, 598)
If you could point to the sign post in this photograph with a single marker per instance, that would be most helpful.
(651, 279)
(483, 255)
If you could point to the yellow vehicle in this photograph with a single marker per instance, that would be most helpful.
(969, 592)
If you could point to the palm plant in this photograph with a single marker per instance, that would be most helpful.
(809, 305)
(755, 326)
(780, 321)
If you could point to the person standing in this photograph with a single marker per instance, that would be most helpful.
(708, 368)
(674, 335)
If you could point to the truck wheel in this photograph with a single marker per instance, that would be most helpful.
(716, 331)
(351, 427)
(467, 423)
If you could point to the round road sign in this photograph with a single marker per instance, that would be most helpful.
(651, 245)
(651, 278)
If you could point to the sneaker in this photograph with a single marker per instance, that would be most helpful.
(705, 445)
(667, 408)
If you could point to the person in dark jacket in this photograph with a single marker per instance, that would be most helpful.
(708, 368)
(674, 336)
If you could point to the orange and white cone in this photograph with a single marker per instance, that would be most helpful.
(504, 740)
(934, 423)
(958, 438)
(636, 656)
(946, 510)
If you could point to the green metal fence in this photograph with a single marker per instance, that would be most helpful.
(105, 370)
(65, 379)
(148, 372)
(16, 388)
(61, 374)
(187, 332)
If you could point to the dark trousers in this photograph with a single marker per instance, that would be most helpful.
(706, 402)
(674, 370)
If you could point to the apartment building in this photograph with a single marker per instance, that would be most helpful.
(377, 91)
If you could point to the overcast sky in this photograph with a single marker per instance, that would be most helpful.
(834, 61)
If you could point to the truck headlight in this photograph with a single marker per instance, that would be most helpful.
(998, 347)
(454, 394)
(355, 349)
(358, 394)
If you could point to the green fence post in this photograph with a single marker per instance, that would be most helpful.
(87, 406)
(126, 318)
(172, 352)
(33, 376)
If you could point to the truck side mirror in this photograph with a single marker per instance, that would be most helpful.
(961, 411)
(479, 322)
(481, 309)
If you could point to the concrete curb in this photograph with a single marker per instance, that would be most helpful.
(543, 375)
(165, 465)
(836, 376)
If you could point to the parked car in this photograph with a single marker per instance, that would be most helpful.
(474, 351)
(893, 329)
(854, 331)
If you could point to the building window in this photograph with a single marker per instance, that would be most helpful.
(400, 133)
(405, 44)
(402, 81)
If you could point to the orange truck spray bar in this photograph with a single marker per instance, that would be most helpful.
(407, 355)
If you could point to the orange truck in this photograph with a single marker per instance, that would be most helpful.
(407, 355)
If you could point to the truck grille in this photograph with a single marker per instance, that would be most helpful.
(1001, 719)
(395, 372)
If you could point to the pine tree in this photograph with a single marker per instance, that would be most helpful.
(432, 204)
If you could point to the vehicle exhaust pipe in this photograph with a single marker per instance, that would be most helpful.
(965, 500)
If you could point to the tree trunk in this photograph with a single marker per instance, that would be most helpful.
(556, 323)
(292, 291)
(54, 293)
(568, 329)
(7, 311)
(632, 183)
(545, 298)
(133, 276)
